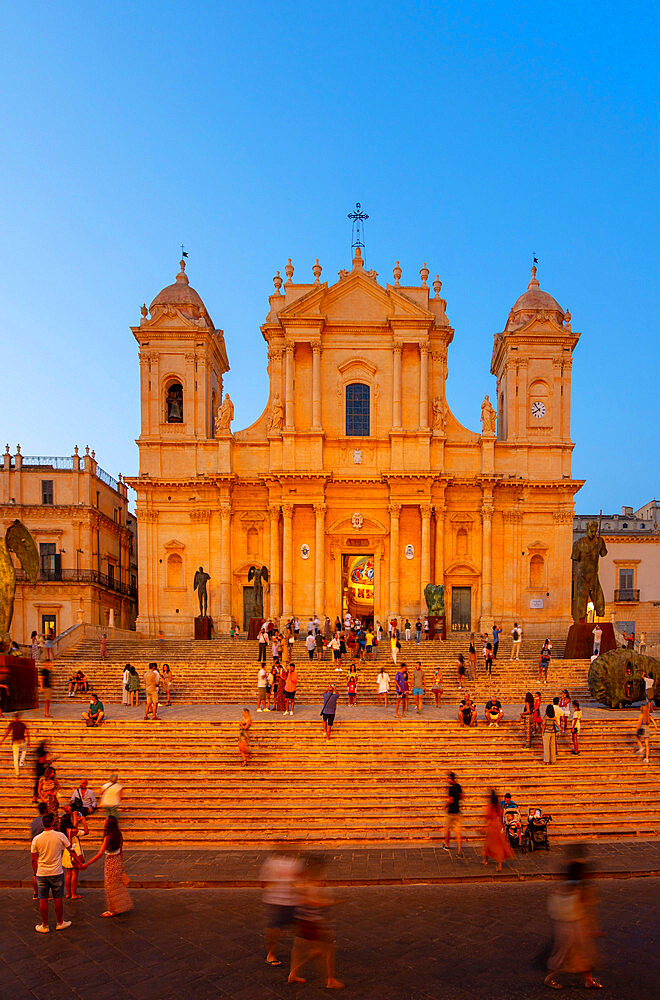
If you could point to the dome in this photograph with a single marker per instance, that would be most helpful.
(536, 300)
(178, 294)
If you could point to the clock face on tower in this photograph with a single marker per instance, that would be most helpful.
(538, 409)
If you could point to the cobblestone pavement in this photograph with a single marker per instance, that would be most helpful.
(393, 943)
(346, 866)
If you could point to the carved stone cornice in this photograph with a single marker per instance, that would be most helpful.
(562, 516)
(146, 515)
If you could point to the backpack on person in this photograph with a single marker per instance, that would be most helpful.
(516, 635)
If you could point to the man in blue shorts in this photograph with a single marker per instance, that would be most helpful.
(47, 848)
(330, 699)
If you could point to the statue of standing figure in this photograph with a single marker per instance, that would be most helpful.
(586, 553)
(488, 417)
(199, 584)
(224, 416)
(257, 574)
(276, 414)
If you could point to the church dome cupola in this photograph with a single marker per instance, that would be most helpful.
(532, 302)
(180, 294)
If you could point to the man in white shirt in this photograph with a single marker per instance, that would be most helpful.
(310, 627)
(151, 682)
(262, 681)
(598, 635)
(46, 849)
(310, 643)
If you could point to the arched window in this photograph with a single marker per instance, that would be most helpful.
(174, 570)
(536, 571)
(174, 403)
(357, 410)
(461, 542)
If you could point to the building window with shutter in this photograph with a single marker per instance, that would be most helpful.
(47, 492)
(357, 410)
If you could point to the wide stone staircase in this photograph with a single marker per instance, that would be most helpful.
(225, 670)
(374, 783)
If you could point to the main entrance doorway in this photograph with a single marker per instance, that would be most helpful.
(461, 609)
(357, 587)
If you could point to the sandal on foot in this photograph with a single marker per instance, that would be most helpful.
(593, 984)
(552, 983)
(107, 913)
(273, 961)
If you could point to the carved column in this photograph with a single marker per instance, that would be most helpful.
(289, 405)
(225, 565)
(395, 512)
(319, 558)
(426, 511)
(423, 387)
(316, 387)
(439, 544)
(274, 568)
(287, 560)
(486, 560)
(396, 388)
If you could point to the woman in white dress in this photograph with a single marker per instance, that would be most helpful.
(125, 696)
(383, 686)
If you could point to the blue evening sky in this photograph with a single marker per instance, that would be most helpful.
(474, 134)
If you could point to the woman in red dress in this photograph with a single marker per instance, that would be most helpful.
(282, 675)
(496, 845)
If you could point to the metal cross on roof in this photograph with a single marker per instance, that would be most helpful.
(357, 217)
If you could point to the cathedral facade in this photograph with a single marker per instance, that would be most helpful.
(356, 486)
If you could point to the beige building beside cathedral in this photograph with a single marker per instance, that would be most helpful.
(356, 486)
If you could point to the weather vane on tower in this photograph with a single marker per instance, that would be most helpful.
(357, 217)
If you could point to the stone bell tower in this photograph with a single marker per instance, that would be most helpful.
(182, 362)
(532, 361)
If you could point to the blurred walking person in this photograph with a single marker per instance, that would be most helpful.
(496, 845)
(279, 874)
(20, 741)
(572, 911)
(244, 727)
(314, 934)
(453, 820)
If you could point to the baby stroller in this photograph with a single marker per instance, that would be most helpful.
(536, 831)
(513, 827)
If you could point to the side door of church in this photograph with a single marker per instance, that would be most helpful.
(461, 604)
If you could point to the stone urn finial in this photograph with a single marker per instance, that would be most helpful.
(288, 270)
(277, 281)
(437, 285)
(567, 316)
(397, 272)
(316, 271)
(144, 310)
(424, 274)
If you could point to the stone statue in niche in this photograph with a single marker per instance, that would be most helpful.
(276, 414)
(439, 414)
(224, 416)
(488, 417)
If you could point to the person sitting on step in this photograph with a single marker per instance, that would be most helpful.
(95, 714)
(493, 713)
(467, 711)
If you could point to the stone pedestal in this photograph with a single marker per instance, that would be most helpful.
(437, 626)
(254, 625)
(203, 627)
(19, 673)
(580, 640)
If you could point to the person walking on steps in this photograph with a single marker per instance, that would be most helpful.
(453, 819)
(516, 636)
(644, 723)
(20, 741)
(47, 849)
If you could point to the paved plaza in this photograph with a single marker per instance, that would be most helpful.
(408, 942)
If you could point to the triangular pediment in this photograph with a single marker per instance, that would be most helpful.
(355, 297)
